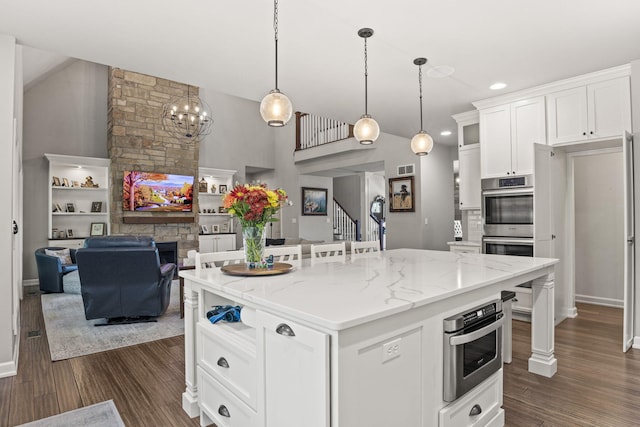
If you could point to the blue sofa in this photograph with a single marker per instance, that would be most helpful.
(121, 279)
(51, 269)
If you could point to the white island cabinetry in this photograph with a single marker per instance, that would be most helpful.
(342, 345)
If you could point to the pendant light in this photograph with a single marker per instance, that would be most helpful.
(366, 130)
(421, 143)
(275, 108)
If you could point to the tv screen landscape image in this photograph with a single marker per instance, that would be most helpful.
(157, 192)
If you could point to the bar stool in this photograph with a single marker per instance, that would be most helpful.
(507, 298)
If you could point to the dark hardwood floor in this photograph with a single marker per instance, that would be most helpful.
(596, 384)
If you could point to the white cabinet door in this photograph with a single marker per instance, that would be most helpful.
(469, 166)
(567, 115)
(598, 110)
(527, 128)
(226, 242)
(609, 107)
(495, 141)
(296, 373)
(206, 244)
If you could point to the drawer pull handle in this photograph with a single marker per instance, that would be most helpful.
(284, 329)
(222, 410)
(476, 410)
(222, 362)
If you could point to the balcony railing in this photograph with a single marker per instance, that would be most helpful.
(313, 131)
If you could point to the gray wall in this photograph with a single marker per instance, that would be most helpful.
(599, 228)
(65, 113)
(347, 190)
(635, 111)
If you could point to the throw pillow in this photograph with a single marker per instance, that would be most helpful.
(63, 254)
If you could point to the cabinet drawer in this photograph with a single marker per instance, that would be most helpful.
(464, 249)
(230, 358)
(488, 397)
(221, 406)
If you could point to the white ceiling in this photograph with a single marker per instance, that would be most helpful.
(228, 46)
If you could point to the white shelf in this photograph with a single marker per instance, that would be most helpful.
(213, 200)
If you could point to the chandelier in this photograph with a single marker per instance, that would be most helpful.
(276, 108)
(366, 130)
(421, 143)
(187, 117)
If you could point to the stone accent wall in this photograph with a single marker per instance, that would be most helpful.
(137, 141)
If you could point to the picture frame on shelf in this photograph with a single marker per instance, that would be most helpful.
(75, 183)
(71, 207)
(204, 229)
(96, 206)
(202, 186)
(221, 209)
(402, 194)
(69, 233)
(56, 181)
(224, 227)
(314, 201)
(97, 229)
(222, 188)
(65, 182)
(58, 208)
(215, 228)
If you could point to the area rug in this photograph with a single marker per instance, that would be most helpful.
(103, 414)
(71, 335)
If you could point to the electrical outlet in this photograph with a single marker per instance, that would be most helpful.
(294, 220)
(391, 349)
(426, 221)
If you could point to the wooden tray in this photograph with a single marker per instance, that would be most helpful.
(243, 270)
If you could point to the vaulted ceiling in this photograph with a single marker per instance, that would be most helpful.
(228, 47)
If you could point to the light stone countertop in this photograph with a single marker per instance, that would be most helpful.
(338, 296)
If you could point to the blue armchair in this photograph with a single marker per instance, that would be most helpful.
(121, 279)
(51, 269)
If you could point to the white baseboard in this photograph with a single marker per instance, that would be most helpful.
(609, 302)
(9, 369)
(30, 282)
(572, 313)
(636, 342)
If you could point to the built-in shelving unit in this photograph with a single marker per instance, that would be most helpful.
(78, 198)
(214, 222)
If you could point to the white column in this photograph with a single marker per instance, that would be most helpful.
(190, 395)
(542, 360)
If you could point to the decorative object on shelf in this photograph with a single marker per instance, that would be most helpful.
(56, 181)
(96, 206)
(71, 207)
(75, 183)
(215, 228)
(421, 143)
(204, 229)
(58, 208)
(69, 233)
(255, 206)
(202, 186)
(366, 130)
(65, 182)
(314, 201)
(223, 189)
(402, 194)
(188, 117)
(276, 108)
(88, 183)
(221, 209)
(62, 234)
(97, 229)
(213, 188)
(224, 227)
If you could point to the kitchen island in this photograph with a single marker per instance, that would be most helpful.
(353, 344)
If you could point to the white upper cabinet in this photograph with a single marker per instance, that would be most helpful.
(507, 135)
(597, 110)
(469, 159)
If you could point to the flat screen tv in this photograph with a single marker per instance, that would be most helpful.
(157, 192)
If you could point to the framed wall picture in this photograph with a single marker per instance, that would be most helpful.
(98, 229)
(314, 201)
(402, 195)
(96, 206)
(71, 207)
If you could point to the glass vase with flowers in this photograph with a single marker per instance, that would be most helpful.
(254, 205)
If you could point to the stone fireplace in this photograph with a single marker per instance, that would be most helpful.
(137, 141)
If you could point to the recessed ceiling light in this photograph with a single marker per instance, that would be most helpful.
(445, 133)
(497, 86)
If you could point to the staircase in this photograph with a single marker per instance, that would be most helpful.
(344, 227)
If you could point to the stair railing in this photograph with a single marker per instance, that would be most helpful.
(344, 226)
